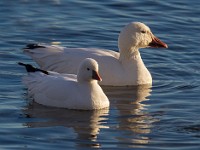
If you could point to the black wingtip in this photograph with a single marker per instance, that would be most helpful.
(33, 46)
(30, 68)
(22, 64)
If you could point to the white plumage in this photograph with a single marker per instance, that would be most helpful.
(117, 69)
(68, 90)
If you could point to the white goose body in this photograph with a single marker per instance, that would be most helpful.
(68, 90)
(121, 68)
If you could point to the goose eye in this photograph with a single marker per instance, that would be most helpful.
(88, 69)
(143, 31)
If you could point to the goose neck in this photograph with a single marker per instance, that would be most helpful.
(129, 54)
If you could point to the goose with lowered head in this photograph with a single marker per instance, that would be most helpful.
(67, 90)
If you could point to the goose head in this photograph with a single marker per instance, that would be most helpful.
(137, 35)
(88, 71)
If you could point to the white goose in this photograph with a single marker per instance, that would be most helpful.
(117, 69)
(67, 90)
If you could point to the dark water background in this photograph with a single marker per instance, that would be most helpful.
(166, 116)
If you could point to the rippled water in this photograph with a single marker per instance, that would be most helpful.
(164, 116)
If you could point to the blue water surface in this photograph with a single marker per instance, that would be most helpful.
(164, 116)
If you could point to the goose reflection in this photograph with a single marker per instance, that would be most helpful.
(134, 121)
(86, 124)
(128, 119)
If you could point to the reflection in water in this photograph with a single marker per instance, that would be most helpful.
(128, 119)
(86, 124)
(134, 122)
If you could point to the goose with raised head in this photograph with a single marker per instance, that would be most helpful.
(123, 68)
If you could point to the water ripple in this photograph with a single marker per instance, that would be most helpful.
(164, 116)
